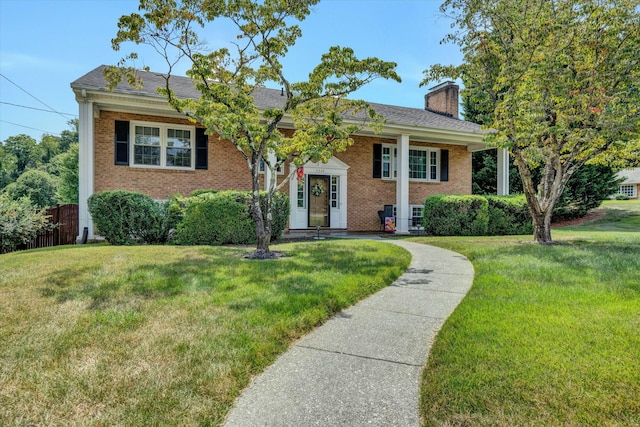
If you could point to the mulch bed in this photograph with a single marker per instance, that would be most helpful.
(591, 216)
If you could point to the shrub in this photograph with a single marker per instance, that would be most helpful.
(225, 217)
(585, 190)
(20, 222)
(214, 219)
(199, 192)
(128, 218)
(508, 215)
(449, 215)
(622, 197)
(175, 212)
(280, 210)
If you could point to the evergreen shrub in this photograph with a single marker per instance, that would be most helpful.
(225, 217)
(451, 215)
(509, 215)
(129, 218)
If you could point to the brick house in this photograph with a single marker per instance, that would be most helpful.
(420, 152)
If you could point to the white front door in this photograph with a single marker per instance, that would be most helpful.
(319, 196)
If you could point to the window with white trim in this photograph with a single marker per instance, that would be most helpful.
(415, 220)
(301, 194)
(416, 216)
(424, 163)
(335, 194)
(389, 161)
(280, 170)
(162, 145)
(628, 190)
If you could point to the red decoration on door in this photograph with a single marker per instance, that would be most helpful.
(300, 174)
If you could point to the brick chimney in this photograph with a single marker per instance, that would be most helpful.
(443, 99)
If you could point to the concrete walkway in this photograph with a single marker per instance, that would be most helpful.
(363, 366)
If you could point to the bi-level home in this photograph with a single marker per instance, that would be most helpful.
(131, 139)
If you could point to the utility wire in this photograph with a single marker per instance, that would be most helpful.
(41, 102)
(27, 127)
(37, 109)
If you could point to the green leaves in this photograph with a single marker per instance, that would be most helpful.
(558, 81)
(20, 222)
(229, 78)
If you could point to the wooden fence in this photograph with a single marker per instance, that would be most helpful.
(66, 231)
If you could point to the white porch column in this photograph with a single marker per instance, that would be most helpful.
(503, 172)
(85, 166)
(402, 186)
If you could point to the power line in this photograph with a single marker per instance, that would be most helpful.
(27, 127)
(25, 91)
(37, 109)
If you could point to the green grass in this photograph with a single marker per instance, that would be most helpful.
(160, 335)
(548, 335)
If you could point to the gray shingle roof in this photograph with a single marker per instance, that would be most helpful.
(271, 98)
(631, 176)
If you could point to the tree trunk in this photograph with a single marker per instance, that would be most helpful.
(540, 205)
(262, 221)
(263, 226)
(542, 227)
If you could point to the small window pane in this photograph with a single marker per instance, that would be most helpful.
(180, 138)
(146, 155)
(180, 157)
(146, 135)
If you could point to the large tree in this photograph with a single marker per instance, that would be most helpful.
(67, 167)
(37, 185)
(561, 80)
(25, 150)
(8, 167)
(324, 119)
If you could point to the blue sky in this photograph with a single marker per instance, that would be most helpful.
(47, 44)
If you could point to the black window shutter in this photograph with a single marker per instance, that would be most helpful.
(377, 160)
(444, 165)
(202, 147)
(121, 143)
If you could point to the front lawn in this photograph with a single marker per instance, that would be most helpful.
(162, 335)
(548, 335)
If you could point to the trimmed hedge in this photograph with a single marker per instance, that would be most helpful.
(129, 218)
(450, 215)
(215, 218)
(447, 215)
(509, 215)
(200, 192)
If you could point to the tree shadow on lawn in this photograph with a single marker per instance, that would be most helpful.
(227, 279)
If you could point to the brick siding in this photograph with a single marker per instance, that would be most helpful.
(227, 170)
(368, 195)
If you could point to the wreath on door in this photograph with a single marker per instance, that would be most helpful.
(317, 189)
